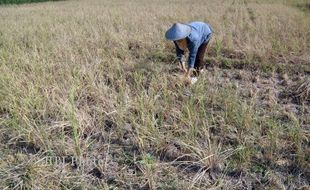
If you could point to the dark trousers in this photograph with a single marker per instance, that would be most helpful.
(199, 64)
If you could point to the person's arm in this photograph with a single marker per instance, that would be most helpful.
(193, 49)
(180, 55)
(179, 52)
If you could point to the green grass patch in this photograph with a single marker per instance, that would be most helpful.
(22, 1)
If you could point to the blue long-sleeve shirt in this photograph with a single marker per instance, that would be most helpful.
(201, 33)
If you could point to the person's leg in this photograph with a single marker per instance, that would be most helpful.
(199, 64)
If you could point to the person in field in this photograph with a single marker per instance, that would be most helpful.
(195, 37)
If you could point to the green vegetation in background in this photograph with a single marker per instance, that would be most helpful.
(22, 1)
(304, 5)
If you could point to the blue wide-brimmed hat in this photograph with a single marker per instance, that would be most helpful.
(178, 31)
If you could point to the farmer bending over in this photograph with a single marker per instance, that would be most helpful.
(195, 37)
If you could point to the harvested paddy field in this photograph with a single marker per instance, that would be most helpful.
(90, 96)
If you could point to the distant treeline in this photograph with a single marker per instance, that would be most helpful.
(22, 1)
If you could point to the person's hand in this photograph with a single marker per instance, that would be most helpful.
(183, 67)
(187, 75)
